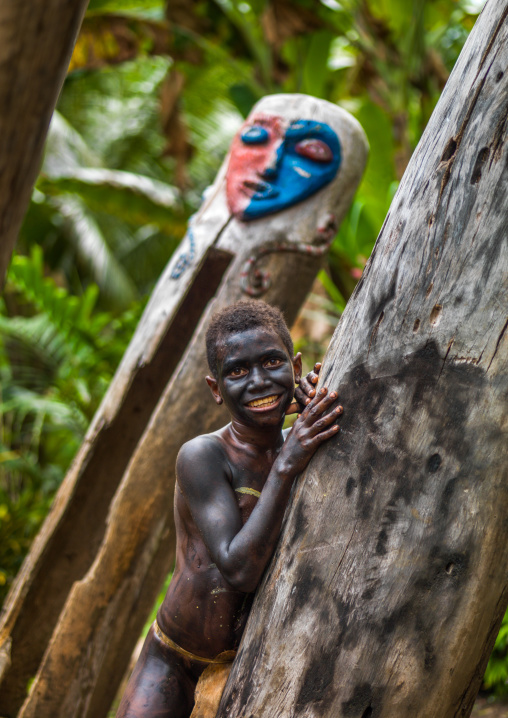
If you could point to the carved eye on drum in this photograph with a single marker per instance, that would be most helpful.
(316, 150)
(255, 135)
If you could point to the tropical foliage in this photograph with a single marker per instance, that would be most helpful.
(57, 356)
(496, 675)
(153, 96)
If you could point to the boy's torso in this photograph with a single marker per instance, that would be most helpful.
(201, 611)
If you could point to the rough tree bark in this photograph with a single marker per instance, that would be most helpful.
(119, 560)
(386, 593)
(36, 43)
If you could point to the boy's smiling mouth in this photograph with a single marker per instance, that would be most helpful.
(264, 403)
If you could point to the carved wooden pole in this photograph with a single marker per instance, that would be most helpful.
(36, 43)
(249, 224)
(386, 593)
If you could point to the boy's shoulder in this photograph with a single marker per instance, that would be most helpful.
(201, 449)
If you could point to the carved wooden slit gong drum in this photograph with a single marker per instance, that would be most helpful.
(94, 572)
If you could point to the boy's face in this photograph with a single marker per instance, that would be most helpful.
(256, 377)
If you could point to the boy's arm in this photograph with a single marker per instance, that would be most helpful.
(241, 553)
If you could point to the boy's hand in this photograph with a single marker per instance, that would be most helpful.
(310, 430)
(305, 391)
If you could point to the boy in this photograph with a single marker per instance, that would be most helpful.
(232, 490)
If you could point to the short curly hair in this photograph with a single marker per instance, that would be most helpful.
(246, 314)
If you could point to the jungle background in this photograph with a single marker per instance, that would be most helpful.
(153, 96)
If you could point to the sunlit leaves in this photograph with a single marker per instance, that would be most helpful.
(104, 214)
(496, 675)
(112, 39)
(152, 9)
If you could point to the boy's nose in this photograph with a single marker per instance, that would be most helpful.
(258, 378)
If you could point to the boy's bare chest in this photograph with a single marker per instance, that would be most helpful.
(248, 477)
(249, 470)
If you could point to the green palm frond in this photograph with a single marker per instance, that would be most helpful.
(120, 227)
(93, 252)
(26, 276)
(133, 198)
(64, 340)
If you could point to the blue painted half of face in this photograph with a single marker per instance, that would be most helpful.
(307, 160)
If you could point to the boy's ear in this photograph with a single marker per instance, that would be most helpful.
(214, 388)
(297, 366)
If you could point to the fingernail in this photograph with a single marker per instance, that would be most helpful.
(336, 427)
(333, 394)
(339, 410)
(307, 401)
(323, 390)
(312, 392)
(314, 379)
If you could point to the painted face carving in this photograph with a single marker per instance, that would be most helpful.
(273, 166)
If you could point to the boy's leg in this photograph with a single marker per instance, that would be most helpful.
(161, 685)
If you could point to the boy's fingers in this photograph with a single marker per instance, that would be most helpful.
(323, 400)
(317, 367)
(306, 386)
(332, 415)
(304, 395)
(323, 435)
(324, 421)
(319, 404)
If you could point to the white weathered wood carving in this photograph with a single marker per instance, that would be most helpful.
(97, 565)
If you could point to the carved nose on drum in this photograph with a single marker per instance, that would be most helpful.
(272, 169)
(270, 172)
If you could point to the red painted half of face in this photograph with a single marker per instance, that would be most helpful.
(249, 164)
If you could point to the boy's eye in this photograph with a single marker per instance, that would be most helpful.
(238, 371)
(273, 362)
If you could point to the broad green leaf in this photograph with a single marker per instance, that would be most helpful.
(93, 251)
(153, 9)
(315, 69)
(133, 198)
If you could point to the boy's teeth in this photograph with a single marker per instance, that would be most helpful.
(263, 402)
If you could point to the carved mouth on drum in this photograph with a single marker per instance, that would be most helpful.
(259, 190)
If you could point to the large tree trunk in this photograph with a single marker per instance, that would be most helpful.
(36, 43)
(387, 590)
(94, 606)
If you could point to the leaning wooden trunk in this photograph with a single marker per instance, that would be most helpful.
(93, 623)
(387, 590)
(36, 43)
